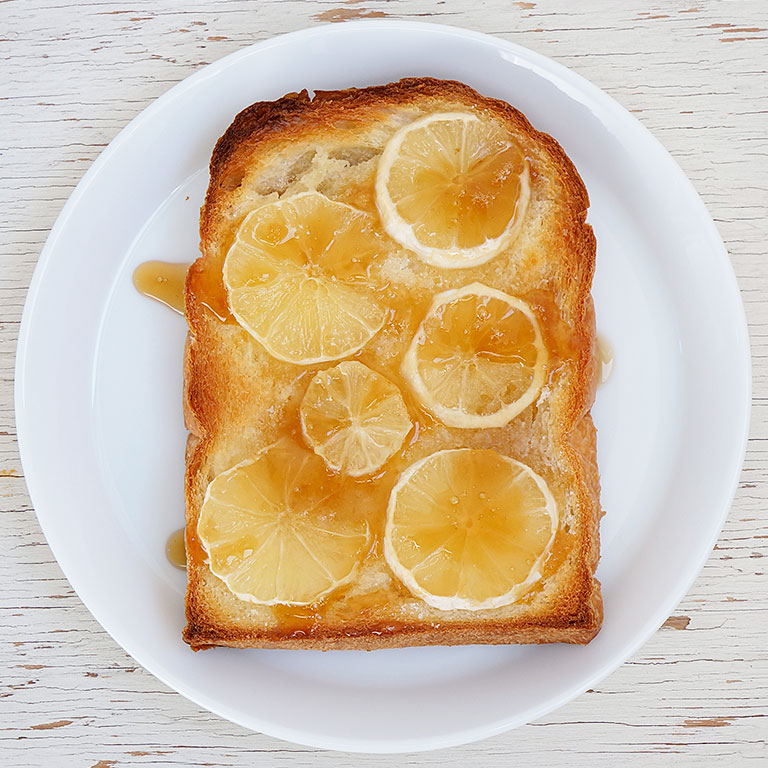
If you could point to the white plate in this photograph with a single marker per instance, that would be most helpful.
(99, 392)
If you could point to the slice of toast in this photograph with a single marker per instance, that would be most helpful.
(238, 398)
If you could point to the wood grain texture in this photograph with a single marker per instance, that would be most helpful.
(695, 73)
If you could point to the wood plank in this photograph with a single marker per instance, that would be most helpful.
(693, 72)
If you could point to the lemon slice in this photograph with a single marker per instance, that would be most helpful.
(354, 418)
(453, 188)
(275, 529)
(478, 358)
(296, 278)
(469, 529)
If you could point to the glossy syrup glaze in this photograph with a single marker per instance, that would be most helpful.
(351, 609)
(162, 281)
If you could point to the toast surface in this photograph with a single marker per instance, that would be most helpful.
(237, 398)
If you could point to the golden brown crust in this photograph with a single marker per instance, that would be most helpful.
(574, 614)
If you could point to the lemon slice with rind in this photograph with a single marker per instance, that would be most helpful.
(354, 418)
(296, 277)
(469, 529)
(453, 188)
(478, 358)
(276, 531)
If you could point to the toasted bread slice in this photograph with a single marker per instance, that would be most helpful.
(238, 398)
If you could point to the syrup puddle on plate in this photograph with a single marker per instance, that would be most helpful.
(162, 281)
(604, 358)
(176, 551)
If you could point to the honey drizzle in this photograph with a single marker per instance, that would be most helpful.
(162, 281)
(351, 615)
(340, 612)
(312, 620)
(207, 286)
(298, 620)
(560, 340)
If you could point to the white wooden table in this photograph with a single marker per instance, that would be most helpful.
(695, 72)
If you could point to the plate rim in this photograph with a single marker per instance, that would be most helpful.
(562, 74)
